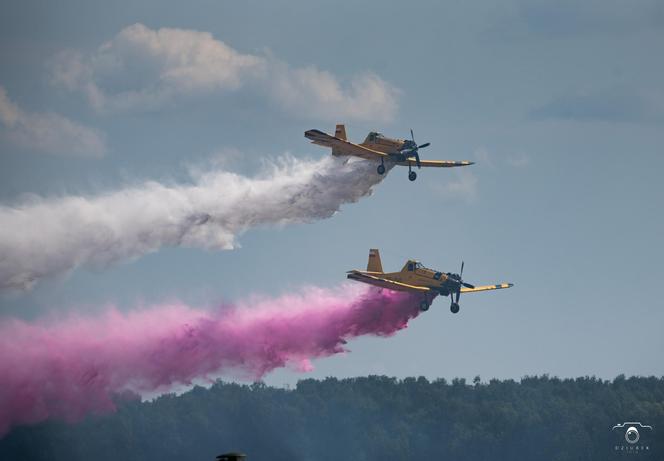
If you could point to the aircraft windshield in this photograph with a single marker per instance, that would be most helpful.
(419, 265)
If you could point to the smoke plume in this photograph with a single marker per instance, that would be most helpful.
(50, 236)
(75, 366)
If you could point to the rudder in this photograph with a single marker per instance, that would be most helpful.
(374, 264)
(340, 132)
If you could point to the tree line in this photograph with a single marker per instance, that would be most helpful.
(366, 418)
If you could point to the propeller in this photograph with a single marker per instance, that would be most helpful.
(412, 150)
(467, 285)
(458, 278)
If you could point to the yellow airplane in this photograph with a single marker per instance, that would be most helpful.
(375, 147)
(415, 278)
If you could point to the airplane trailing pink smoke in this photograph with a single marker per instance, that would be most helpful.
(70, 368)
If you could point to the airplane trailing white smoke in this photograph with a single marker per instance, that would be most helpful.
(49, 236)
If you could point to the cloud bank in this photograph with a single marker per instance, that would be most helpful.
(49, 236)
(48, 132)
(76, 366)
(566, 18)
(142, 69)
(463, 186)
(611, 104)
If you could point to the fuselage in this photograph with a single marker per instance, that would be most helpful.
(391, 146)
(413, 273)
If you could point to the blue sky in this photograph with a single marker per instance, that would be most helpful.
(561, 104)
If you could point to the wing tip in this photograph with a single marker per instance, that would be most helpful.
(503, 285)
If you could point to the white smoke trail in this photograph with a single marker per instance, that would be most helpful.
(49, 236)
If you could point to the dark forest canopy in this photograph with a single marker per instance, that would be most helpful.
(369, 418)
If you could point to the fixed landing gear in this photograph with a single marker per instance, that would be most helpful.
(381, 169)
(424, 306)
(411, 174)
(454, 296)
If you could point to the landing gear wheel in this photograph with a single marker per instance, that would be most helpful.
(424, 306)
(454, 307)
(381, 169)
(412, 176)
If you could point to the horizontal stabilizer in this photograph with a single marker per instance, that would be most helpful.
(378, 281)
(342, 146)
(320, 138)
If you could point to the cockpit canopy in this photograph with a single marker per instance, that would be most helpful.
(413, 265)
(374, 135)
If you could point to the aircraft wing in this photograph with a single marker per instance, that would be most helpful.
(486, 287)
(385, 283)
(436, 163)
(342, 147)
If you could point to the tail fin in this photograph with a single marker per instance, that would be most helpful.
(340, 132)
(374, 264)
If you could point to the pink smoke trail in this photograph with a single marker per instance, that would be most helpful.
(75, 366)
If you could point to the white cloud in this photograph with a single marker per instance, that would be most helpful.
(319, 94)
(49, 132)
(463, 186)
(9, 112)
(141, 69)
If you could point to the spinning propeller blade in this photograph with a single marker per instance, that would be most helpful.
(461, 282)
(456, 294)
(413, 150)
